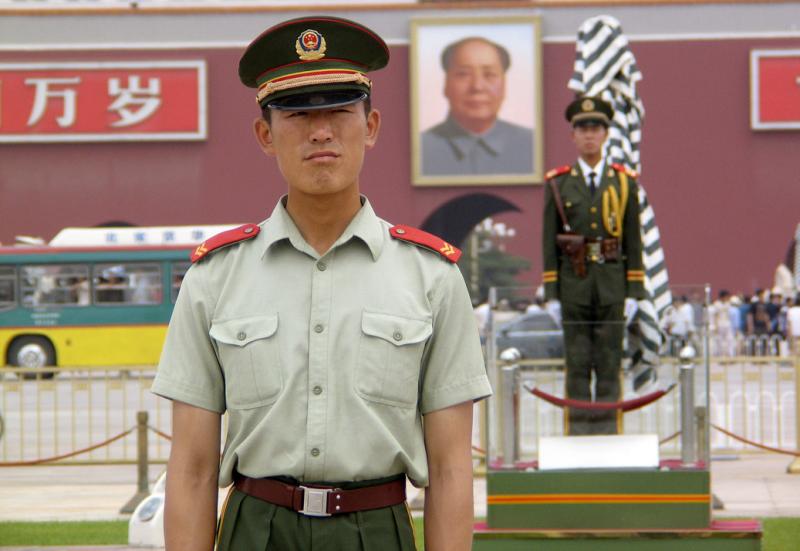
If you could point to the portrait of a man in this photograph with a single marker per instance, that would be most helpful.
(472, 139)
(476, 102)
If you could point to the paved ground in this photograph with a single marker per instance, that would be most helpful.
(748, 486)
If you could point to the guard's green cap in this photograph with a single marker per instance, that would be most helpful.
(314, 62)
(587, 110)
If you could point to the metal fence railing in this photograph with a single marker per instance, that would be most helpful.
(734, 345)
(49, 414)
(754, 397)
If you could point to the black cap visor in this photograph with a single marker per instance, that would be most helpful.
(590, 119)
(317, 100)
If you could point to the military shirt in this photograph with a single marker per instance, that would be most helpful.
(606, 283)
(324, 363)
(506, 148)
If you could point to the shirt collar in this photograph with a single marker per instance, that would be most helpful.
(597, 169)
(463, 140)
(365, 225)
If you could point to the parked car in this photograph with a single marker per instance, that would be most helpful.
(536, 335)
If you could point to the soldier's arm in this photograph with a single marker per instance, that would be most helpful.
(190, 515)
(632, 244)
(550, 227)
(448, 498)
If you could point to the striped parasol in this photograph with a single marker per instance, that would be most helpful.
(606, 67)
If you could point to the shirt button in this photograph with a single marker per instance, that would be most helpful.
(594, 226)
(317, 390)
(319, 328)
(321, 266)
(241, 335)
(593, 209)
(315, 452)
(398, 336)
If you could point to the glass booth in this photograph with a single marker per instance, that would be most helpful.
(599, 417)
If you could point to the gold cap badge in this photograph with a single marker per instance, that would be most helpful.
(310, 45)
(587, 105)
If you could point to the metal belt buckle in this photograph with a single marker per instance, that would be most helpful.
(315, 501)
(594, 252)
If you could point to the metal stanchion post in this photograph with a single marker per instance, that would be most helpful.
(510, 409)
(142, 486)
(794, 466)
(706, 427)
(688, 435)
(700, 413)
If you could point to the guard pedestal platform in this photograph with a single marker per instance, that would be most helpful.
(719, 536)
(605, 509)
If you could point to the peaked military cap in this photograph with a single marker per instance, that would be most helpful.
(589, 110)
(314, 62)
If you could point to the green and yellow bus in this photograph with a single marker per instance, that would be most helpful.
(87, 306)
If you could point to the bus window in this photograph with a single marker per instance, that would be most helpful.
(8, 287)
(130, 283)
(55, 285)
(178, 271)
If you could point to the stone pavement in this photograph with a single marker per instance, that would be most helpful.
(748, 485)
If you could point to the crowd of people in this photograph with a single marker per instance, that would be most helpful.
(764, 323)
(767, 322)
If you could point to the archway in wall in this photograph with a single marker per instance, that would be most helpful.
(454, 220)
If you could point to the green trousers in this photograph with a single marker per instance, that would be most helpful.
(593, 348)
(250, 524)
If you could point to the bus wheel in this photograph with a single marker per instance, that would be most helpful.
(32, 352)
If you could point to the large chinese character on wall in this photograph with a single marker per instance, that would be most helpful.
(103, 101)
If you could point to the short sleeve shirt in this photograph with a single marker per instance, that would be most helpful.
(325, 364)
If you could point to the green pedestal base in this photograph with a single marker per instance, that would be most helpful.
(599, 499)
(721, 536)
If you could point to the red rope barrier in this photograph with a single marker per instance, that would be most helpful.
(668, 438)
(755, 444)
(627, 405)
(66, 455)
(158, 432)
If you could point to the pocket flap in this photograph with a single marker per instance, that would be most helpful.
(395, 329)
(242, 331)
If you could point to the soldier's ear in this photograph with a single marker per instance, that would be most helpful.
(373, 127)
(264, 137)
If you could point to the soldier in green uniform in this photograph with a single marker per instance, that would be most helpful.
(342, 348)
(592, 262)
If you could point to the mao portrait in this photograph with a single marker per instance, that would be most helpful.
(476, 123)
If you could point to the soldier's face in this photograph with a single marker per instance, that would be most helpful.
(589, 139)
(475, 85)
(320, 151)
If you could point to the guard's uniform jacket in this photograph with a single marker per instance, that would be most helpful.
(592, 306)
(606, 282)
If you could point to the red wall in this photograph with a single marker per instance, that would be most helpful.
(727, 199)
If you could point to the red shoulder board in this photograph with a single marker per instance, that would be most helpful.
(557, 172)
(246, 231)
(427, 240)
(622, 168)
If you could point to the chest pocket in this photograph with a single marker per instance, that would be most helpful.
(249, 353)
(389, 358)
(573, 206)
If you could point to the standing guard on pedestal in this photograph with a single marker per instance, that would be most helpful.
(592, 262)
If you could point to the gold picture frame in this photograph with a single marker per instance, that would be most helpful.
(474, 124)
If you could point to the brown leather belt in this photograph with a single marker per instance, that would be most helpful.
(322, 501)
